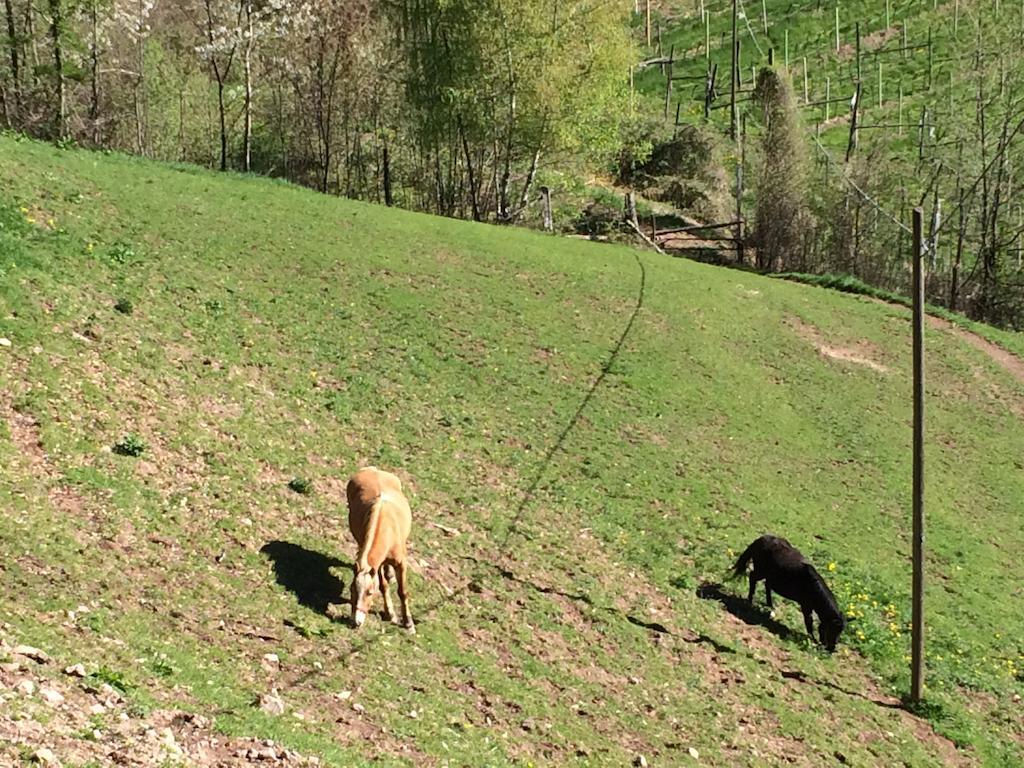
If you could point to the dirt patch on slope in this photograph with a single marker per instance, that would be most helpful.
(860, 353)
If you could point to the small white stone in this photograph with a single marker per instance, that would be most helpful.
(75, 670)
(694, 753)
(271, 703)
(26, 687)
(4, 342)
(343, 695)
(45, 756)
(52, 697)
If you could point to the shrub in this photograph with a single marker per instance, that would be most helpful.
(129, 445)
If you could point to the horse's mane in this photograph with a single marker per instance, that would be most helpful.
(370, 537)
(826, 600)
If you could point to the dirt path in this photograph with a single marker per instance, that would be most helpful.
(1006, 360)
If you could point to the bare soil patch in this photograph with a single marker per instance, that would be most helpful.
(860, 353)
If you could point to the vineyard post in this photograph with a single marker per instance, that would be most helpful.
(899, 121)
(733, 74)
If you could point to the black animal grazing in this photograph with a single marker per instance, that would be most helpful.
(789, 573)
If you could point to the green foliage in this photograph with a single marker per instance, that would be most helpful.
(124, 306)
(129, 445)
(301, 485)
(781, 220)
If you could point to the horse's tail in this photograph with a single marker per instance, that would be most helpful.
(370, 535)
(740, 568)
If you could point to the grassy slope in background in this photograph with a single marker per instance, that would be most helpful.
(247, 334)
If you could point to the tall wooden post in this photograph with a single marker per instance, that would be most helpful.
(837, 27)
(858, 50)
(930, 58)
(733, 75)
(899, 120)
(854, 107)
(648, 23)
(707, 35)
(917, 619)
(545, 196)
(668, 79)
(740, 256)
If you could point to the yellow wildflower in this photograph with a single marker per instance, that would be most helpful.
(832, 566)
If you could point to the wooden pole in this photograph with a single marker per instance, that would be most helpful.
(828, 97)
(764, 18)
(854, 106)
(545, 195)
(904, 49)
(806, 95)
(786, 56)
(930, 58)
(879, 83)
(707, 35)
(733, 74)
(668, 79)
(900, 119)
(887, 22)
(630, 209)
(857, 28)
(647, 24)
(956, 18)
(917, 620)
(740, 257)
(837, 28)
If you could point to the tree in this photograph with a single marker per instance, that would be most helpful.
(781, 206)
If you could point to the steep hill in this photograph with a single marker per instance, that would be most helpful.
(590, 435)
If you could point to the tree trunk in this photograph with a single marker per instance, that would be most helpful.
(247, 139)
(60, 105)
(94, 67)
(387, 176)
(473, 197)
(954, 284)
(12, 44)
(530, 176)
(223, 125)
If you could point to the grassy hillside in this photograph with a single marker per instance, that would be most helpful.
(589, 435)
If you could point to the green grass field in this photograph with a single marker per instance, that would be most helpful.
(589, 435)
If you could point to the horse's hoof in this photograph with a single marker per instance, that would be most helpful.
(410, 628)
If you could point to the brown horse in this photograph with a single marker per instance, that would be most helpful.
(380, 520)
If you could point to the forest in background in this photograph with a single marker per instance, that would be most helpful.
(466, 108)
(439, 105)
